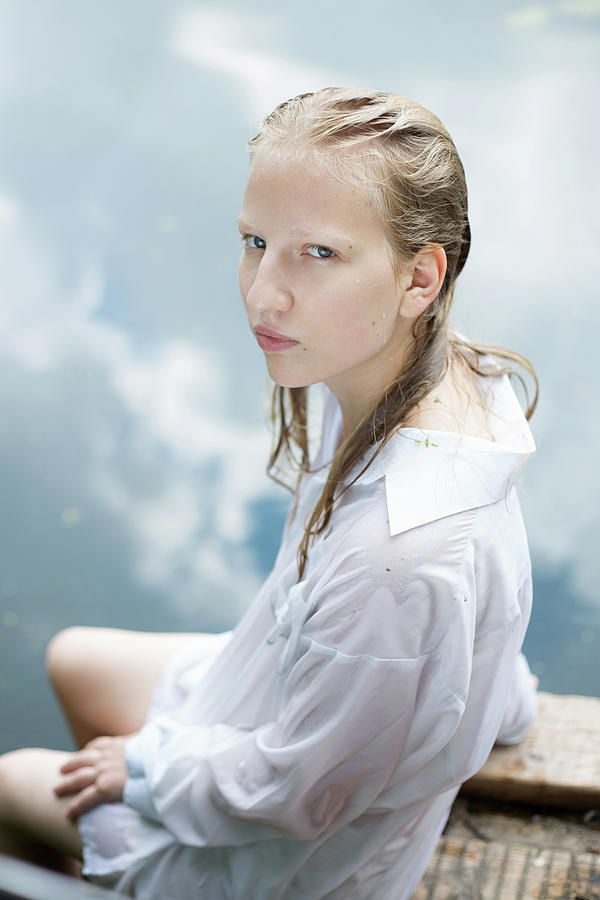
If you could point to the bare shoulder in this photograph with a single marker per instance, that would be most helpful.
(456, 404)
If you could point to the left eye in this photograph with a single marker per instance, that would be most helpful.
(253, 242)
(320, 252)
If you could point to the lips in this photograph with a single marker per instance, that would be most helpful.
(273, 341)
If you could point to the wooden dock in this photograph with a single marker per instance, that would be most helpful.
(527, 825)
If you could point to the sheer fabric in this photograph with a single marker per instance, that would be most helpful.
(318, 752)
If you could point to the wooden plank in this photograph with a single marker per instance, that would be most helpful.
(505, 851)
(509, 823)
(557, 763)
(473, 869)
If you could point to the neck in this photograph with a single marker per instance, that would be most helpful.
(359, 393)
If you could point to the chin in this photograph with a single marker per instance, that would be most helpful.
(289, 380)
(291, 383)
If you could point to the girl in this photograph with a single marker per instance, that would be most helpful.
(317, 750)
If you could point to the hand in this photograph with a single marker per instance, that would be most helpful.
(96, 774)
(535, 681)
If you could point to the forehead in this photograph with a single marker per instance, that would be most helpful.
(307, 192)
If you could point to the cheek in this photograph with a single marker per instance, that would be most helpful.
(381, 311)
(354, 334)
(370, 316)
(245, 279)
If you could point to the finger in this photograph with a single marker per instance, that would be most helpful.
(107, 788)
(86, 800)
(79, 761)
(110, 786)
(76, 783)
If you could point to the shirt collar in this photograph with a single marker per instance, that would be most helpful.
(431, 474)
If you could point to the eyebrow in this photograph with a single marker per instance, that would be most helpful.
(332, 235)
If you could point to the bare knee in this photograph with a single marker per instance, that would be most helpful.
(7, 784)
(66, 656)
(31, 816)
(14, 784)
(72, 669)
(97, 674)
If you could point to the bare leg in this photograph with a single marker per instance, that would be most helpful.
(105, 678)
(33, 825)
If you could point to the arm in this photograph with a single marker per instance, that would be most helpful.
(369, 696)
(341, 732)
(364, 702)
(341, 727)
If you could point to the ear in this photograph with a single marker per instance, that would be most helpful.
(427, 272)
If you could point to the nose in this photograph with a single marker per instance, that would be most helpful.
(265, 287)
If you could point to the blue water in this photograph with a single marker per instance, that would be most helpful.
(132, 487)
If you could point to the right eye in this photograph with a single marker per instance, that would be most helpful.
(253, 242)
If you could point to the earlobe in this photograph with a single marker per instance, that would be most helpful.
(428, 270)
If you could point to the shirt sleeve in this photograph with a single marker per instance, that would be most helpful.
(364, 700)
(522, 707)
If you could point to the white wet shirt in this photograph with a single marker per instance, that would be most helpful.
(317, 754)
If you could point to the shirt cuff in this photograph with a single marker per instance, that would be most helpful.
(140, 750)
(136, 794)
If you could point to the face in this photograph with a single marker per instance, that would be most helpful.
(317, 281)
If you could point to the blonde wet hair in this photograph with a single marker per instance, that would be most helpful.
(407, 163)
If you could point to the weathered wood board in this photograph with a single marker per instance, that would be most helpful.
(557, 763)
(499, 852)
(477, 870)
